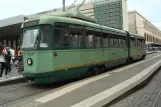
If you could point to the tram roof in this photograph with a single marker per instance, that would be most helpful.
(136, 35)
(70, 18)
(77, 15)
(48, 19)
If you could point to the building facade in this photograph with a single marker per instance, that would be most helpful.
(140, 25)
(10, 31)
(111, 13)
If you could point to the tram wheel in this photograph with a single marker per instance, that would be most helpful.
(89, 72)
(102, 68)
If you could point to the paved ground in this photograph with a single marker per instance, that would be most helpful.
(144, 97)
(150, 52)
(29, 94)
(13, 73)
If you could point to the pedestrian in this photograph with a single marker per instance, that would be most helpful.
(8, 58)
(3, 62)
(20, 57)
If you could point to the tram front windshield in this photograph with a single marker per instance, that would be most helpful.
(30, 38)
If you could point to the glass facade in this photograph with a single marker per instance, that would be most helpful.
(109, 13)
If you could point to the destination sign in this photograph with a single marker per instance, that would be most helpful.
(32, 23)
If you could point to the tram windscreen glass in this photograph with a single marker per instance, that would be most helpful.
(30, 38)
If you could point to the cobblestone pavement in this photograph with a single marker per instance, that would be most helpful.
(13, 72)
(10, 94)
(14, 92)
(143, 97)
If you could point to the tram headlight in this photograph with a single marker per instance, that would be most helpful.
(29, 61)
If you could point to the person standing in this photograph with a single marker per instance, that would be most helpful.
(8, 58)
(3, 62)
(20, 55)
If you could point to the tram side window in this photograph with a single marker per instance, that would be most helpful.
(120, 42)
(98, 37)
(140, 43)
(45, 40)
(111, 41)
(89, 39)
(124, 42)
(115, 41)
(137, 43)
(61, 37)
(132, 42)
(105, 40)
(76, 37)
(81, 41)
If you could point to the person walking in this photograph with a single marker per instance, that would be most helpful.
(8, 58)
(3, 62)
(20, 55)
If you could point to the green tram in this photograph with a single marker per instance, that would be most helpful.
(71, 45)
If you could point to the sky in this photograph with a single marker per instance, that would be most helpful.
(150, 9)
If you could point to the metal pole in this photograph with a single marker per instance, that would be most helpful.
(63, 5)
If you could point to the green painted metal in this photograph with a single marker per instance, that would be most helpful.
(42, 61)
(53, 76)
(77, 15)
(137, 51)
(55, 65)
(46, 19)
(73, 62)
